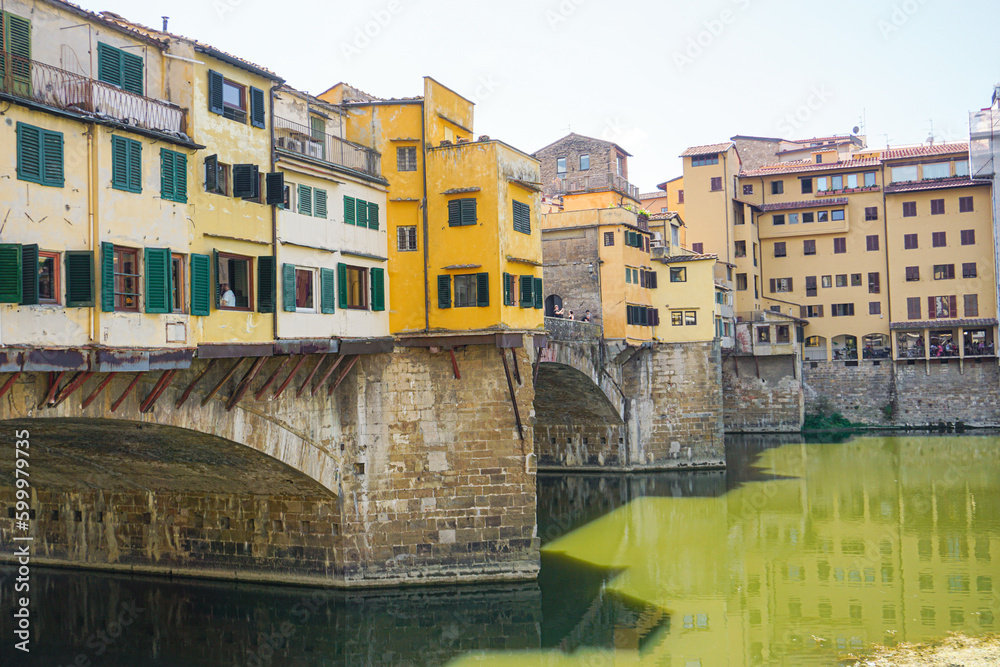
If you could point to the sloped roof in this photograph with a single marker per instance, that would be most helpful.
(707, 149)
(582, 136)
(808, 203)
(797, 166)
(673, 259)
(925, 150)
(937, 184)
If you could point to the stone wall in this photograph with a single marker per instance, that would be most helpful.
(762, 394)
(575, 276)
(862, 393)
(602, 157)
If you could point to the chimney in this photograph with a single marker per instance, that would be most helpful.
(165, 19)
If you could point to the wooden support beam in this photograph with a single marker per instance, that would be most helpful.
(312, 374)
(513, 399)
(161, 385)
(454, 364)
(224, 380)
(517, 371)
(75, 384)
(274, 376)
(97, 391)
(538, 363)
(202, 373)
(288, 380)
(343, 374)
(327, 373)
(128, 390)
(9, 383)
(245, 383)
(54, 380)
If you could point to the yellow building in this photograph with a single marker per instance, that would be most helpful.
(685, 294)
(464, 213)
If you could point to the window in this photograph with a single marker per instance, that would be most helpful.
(939, 239)
(741, 248)
(698, 248)
(941, 307)
(822, 216)
(741, 282)
(855, 280)
(821, 184)
(912, 274)
(842, 310)
(909, 241)
(609, 238)
(177, 283)
(560, 165)
(968, 236)
(793, 218)
(704, 160)
(621, 165)
(826, 281)
(234, 102)
(937, 207)
(779, 249)
(690, 317)
(305, 287)
(937, 170)
(944, 271)
(819, 158)
(120, 68)
(234, 276)
(313, 201)
(841, 280)
(781, 285)
(909, 209)
(809, 247)
(748, 189)
(837, 182)
(126, 279)
(173, 176)
(852, 180)
(680, 196)
(353, 291)
(901, 174)
(522, 217)
(406, 158)
(778, 220)
(126, 164)
(216, 176)
(782, 333)
(366, 214)
(39, 155)
(763, 334)
(677, 318)
(678, 274)
(965, 204)
(814, 311)
(969, 270)
(840, 246)
(48, 277)
(913, 308)
(806, 185)
(777, 187)
(465, 291)
(971, 303)
(584, 162)
(871, 242)
(874, 307)
(874, 286)
(808, 217)
(871, 213)
(810, 285)
(837, 215)
(869, 179)
(716, 183)
(462, 212)
(406, 238)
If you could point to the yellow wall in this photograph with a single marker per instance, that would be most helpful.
(708, 213)
(585, 201)
(674, 189)
(696, 294)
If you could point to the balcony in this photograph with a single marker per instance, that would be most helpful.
(57, 88)
(296, 138)
(593, 183)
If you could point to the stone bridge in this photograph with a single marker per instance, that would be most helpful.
(359, 464)
(602, 404)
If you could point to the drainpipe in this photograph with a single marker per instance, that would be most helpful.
(426, 222)
(729, 203)
(92, 214)
(888, 284)
(274, 219)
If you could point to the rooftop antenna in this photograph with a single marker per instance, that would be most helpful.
(887, 138)
(165, 19)
(930, 135)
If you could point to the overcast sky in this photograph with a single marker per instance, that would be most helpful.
(654, 76)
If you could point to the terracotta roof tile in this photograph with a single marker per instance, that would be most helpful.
(672, 259)
(809, 203)
(923, 150)
(798, 166)
(936, 184)
(707, 150)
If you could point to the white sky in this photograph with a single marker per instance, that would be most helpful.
(653, 76)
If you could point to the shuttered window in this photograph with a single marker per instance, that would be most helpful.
(378, 288)
(444, 291)
(246, 181)
(201, 284)
(913, 308)
(462, 212)
(266, 284)
(372, 215)
(39, 155)
(215, 82)
(10, 273)
(15, 39)
(79, 278)
(319, 203)
(527, 291)
(361, 215)
(256, 107)
(328, 291)
(29, 276)
(120, 68)
(159, 289)
(173, 176)
(508, 289)
(126, 164)
(537, 289)
(522, 217)
(349, 210)
(288, 287)
(305, 200)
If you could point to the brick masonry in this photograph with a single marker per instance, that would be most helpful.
(575, 276)
(603, 158)
(762, 394)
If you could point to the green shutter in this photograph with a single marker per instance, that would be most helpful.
(29, 275)
(455, 213)
(158, 279)
(109, 64)
(132, 67)
(126, 164)
(522, 217)
(288, 287)
(10, 273)
(328, 291)
(444, 291)
(265, 284)
(246, 181)
(217, 286)
(19, 46)
(372, 215)
(52, 158)
(212, 173)
(319, 208)
(468, 211)
(539, 300)
(79, 278)
(482, 290)
(29, 153)
(342, 285)
(378, 288)
(527, 298)
(135, 166)
(349, 210)
(305, 200)
(215, 92)
(256, 107)
(173, 176)
(507, 291)
(108, 277)
(201, 284)
(362, 213)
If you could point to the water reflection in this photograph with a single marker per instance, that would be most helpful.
(833, 548)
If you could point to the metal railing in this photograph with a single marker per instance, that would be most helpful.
(297, 138)
(58, 88)
(592, 182)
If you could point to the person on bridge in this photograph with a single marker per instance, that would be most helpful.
(586, 317)
(571, 315)
(557, 311)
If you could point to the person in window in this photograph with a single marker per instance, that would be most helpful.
(228, 298)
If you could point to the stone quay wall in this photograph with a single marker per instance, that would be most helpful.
(762, 394)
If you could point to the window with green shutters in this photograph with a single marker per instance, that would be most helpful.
(372, 215)
(462, 212)
(39, 155)
(126, 164)
(10, 273)
(378, 288)
(173, 176)
(328, 290)
(201, 284)
(527, 291)
(15, 40)
(319, 203)
(256, 107)
(444, 291)
(508, 290)
(79, 279)
(349, 210)
(288, 287)
(361, 218)
(305, 200)
(120, 68)
(159, 287)
(29, 275)
(537, 290)
(266, 284)
(482, 290)
(522, 217)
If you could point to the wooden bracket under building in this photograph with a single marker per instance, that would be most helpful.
(309, 379)
(187, 392)
(128, 390)
(97, 391)
(54, 380)
(288, 380)
(272, 378)
(343, 374)
(9, 383)
(73, 385)
(245, 383)
(517, 371)
(513, 398)
(161, 385)
(454, 364)
(224, 380)
(327, 374)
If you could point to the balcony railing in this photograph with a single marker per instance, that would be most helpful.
(297, 138)
(594, 182)
(54, 87)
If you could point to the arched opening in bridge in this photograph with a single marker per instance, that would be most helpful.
(552, 302)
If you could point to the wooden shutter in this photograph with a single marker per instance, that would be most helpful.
(527, 297)
(468, 211)
(361, 216)
(931, 311)
(119, 163)
(537, 289)
(319, 203)
(10, 273)
(131, 69)
(109, 64)
(372, 215)
(215, 92)
(507, 291)
(246, 179)
(378, 288)
(256, 107)
(19, 46)
(342, 285)
(522, 217)
(52, 158)
(167, 187)
(180, 178)
(29, 153)
(455, 213)
(134, 166)
(158, 279)
(212, 173)
(79, 279)
(328, 291)
(201, 284)
(266, 284)
(482, 290)
(444, 291)
(772, 285)
(275, 183)
(790, 288)
(216, 285)
(629, 318)
(305, 199)
(108, 277)
(288, 287)
(349, 210)
(29, 275)
(952, 306)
